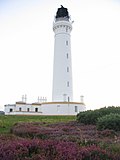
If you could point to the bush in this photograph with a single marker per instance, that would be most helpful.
(27, 149)
(113, 148)
(111, 121)
(87, 117)
(96, 153)
(107, 133)
(91, 117)
(71, 131)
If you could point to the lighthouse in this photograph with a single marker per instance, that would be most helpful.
(62, 68)
(62, 96)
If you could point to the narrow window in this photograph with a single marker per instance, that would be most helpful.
(67, 69)
(20, 109)
(68, 84)
(66, 29)
(76, 108)
(28, 109)
(67, 43)
(11, 109)
(67, 56)
(68, 99)
(36, 109)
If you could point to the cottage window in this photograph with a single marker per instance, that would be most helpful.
(11, 110)
(76, 108)
(36, 109)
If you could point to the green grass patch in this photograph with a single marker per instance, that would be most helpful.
(6, 122)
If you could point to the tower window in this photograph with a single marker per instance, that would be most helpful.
(28, 109)
(67, 43)
(66, 29)
(67, 55)
(67, 69)
(68, 84)
(20, 109)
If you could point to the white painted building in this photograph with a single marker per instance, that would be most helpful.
(47, 108)
(62, 94)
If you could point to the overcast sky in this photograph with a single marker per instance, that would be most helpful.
(27, 50)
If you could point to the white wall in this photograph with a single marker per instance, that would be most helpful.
(62, 108)
(50, 108)
(62, 31)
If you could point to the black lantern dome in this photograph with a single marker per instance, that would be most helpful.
(62, 13)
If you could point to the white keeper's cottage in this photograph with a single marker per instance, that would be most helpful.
(62, 94)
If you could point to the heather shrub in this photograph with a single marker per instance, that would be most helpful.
(72, 131)
(96, 153)
(107, 133)
(30, 130)
(114, 148)
(111, 121)
(35, 149)
(88, 142)
(91, 116)
(77, 133)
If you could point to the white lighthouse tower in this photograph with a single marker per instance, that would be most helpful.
(62, 96)
(62, 70)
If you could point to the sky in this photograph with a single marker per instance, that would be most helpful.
(27, 50)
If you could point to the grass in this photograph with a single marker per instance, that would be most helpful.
(6, 122)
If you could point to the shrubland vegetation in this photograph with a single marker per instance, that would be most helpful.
(92, 135)
(37, 149)
(92, 116)
(110, 121)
